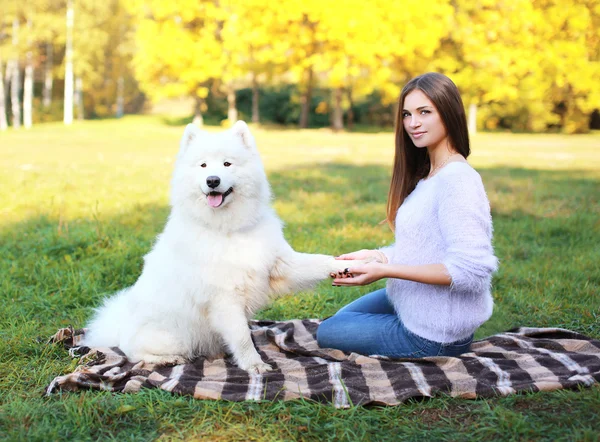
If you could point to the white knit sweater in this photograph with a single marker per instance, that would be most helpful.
(447, 220)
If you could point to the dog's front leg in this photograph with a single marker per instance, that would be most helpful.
(294, 271)
(229, 320)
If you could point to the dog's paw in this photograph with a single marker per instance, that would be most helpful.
(164, 359)
(260, 368)
(256, 367)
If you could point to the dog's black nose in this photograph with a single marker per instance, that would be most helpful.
(213, 181)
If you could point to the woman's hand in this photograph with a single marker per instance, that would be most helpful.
(365, 254)
(361, 275)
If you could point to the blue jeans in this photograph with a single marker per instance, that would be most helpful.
(370, 326)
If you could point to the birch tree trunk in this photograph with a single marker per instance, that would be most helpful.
(79, 98)
(28, 86)
(198, 120)
(15, 100)
(3, 121)
(255, 100)
(28, 94)
(337, 119)
(472, 119)
(68, 104)
(15, 84)
(232, 114)
(48, 79)
(306, 100)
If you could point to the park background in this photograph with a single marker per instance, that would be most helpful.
(84, 179)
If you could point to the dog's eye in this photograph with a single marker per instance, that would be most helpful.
(226, 164)
(203, 165)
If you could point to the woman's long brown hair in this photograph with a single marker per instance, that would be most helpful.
(411, 163)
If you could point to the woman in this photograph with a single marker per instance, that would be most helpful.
(441, 264)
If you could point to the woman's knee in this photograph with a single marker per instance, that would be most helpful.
(327, 332)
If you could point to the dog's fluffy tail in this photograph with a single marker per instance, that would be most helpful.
(104, 330)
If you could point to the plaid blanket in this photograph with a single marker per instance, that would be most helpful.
(524, 359)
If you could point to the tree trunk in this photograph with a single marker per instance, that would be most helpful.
(15, 83)
(3, 90)
(68, 105)
(306, 100)
(7, 76)
(350, 109)
(48, 80)
(79, 97)
(232, 114)
(198, 120)
(472, 119)
(15, 92)
(255, 100)
(3, 121)
(7, 79)
(28, 87)
(28, 93)
(337, 118)
(120, 97)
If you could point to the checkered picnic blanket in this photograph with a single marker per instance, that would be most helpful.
(524, 359)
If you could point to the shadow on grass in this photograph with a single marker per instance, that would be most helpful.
(548, 274)
(176, 121)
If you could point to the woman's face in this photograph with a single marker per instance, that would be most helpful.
(422, 121)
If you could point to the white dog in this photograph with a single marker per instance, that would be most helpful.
(221, 257)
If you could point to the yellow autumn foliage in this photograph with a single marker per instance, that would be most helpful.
(528, 64)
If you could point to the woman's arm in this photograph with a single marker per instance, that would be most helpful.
(366, 274)
(466, 225)
(380, 255)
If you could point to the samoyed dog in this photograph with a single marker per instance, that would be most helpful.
(221, 257)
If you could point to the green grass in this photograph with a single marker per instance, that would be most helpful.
(80, 206)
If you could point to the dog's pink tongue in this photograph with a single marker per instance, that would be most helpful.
(215, 200)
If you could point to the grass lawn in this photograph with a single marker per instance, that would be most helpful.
(80, 206)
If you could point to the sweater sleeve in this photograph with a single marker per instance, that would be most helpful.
(466, 226)
(388, 252)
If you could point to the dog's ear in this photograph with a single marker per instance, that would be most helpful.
(190, 133)
(241, 130)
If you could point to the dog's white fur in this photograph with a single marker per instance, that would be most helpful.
(211, 268)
